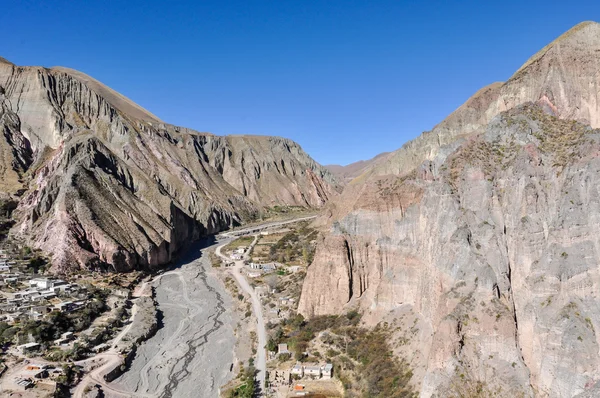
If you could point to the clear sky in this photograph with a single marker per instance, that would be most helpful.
(346, 79)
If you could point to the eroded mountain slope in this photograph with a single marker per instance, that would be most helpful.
(112, 185)
(495, 248)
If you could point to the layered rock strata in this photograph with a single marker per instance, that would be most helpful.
(109, 185)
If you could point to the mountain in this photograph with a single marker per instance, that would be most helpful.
(477, 243)
(561, 76)
(349, 172)
(103, 183)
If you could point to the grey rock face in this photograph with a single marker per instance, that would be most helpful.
(485, 231)
(496, 251)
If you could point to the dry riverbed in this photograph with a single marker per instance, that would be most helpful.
(192, 353)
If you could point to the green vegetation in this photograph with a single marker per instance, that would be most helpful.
(215, 261)
(70, 376)
(297, 245)
(37, 264)
(559, 141)
(280, 210)
(76, 353)
(362, 358)
(242, 241)
(7, 332)
(247, 386)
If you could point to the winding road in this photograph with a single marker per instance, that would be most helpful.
(261, 362)
(192, 353)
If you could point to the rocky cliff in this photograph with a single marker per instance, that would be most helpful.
(107, 184)
(478, 242)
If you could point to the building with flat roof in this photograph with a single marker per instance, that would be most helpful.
(23, 384)
(327, 371)
(41, 283)
(312, 370)
(298, 370)
(282, 349)
(28, 348)
(269, 267)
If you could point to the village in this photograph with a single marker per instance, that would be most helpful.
(27, 296)
(277, 280)
(52, 329)
(47, 323)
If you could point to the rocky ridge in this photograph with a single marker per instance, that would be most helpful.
(351, 171)
(109, 185)
(479, 240)
(562, 76)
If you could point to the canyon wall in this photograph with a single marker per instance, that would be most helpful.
(484, 232)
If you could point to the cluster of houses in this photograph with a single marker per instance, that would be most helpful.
(269, 267)
(238, 253)
(313, 370)
(33, 373)
(255, 270)
(25, 296)
(33, 347)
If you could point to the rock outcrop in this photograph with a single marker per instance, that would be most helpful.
(485, 234)
(15, 152)
(110, 185)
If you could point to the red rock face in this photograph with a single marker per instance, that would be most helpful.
(112, 186)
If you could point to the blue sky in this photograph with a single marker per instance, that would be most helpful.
(346, 79)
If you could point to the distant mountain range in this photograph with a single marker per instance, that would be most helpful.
(349, 172)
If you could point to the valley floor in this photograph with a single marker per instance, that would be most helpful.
(192, 353)
(201, 340)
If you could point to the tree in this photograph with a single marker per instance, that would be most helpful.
(271, 281)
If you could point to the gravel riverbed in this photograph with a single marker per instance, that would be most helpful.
(192, 352)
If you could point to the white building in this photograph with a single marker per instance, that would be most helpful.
(312, 370)
(29, 294)
(29, 347)
(62, 288)
(282, 349)
(270, 267)
(298, 370)
(41, 283)
(327, 371)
